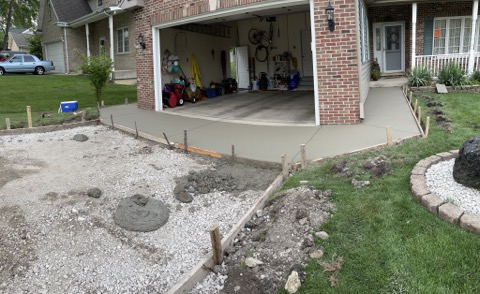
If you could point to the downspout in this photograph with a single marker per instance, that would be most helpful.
(157, 73)
(87, 33)
(66, 48)
(110, 26)
(313, 48)
(414, 33)
(471, 59)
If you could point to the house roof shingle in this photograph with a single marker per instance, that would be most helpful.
(69, 10)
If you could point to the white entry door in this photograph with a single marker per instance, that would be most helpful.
(389, 46)
(242, 67)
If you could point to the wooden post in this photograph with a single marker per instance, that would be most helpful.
(136, 130)
(168, 142)
(216, 245)
(389, 136)
(84, 114)
(126, 100)
(111, 119)
(233, 152)
(427, 127)
(419, 114)
(284, 167)
(415, 107)
(29, 116)
(410, 95)
(7, 122)
(185, 141)
(303, 156)
(103, 103)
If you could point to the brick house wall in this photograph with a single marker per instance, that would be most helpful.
(337, 53)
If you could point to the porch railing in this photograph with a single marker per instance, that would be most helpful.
(437, 62)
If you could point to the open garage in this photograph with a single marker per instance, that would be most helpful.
(231, 53)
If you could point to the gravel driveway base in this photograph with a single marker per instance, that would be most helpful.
(54, 238)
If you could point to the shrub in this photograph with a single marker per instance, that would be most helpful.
(453, 75)
(476, 77)
(98, 68)
(420, 76)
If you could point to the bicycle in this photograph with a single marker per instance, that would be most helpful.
(263, 40)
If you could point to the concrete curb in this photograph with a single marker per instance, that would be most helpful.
(436, 205)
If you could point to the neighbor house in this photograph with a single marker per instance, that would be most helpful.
(69, 27)
(18, 39)
(330, 43)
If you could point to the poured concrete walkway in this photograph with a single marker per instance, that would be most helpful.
(267, 141)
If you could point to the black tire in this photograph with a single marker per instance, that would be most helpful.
(2, 71)
(261, 53)
(39, 70)
(180, 102)
(254, 36)
(194, 100)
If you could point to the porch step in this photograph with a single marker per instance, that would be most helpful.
(388, 82)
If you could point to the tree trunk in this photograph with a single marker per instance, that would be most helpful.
(9, 22)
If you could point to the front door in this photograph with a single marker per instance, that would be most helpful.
(389, 48)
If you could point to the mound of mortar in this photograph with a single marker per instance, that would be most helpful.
(141, 214)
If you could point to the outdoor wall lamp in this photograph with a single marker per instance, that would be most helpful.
(141, 41)
(330, 11)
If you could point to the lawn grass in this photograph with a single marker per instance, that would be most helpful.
(388, 241)
(45, 93)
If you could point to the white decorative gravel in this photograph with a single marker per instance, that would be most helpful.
(69, 242)
(439, 179)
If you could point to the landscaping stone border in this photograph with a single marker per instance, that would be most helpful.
(432, 202)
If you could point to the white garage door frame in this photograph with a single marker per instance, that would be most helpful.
(157, 75)
(54, 52)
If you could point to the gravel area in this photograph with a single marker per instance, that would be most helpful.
(54, 238)
(439, 179)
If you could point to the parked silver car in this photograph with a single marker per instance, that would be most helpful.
(23, 63)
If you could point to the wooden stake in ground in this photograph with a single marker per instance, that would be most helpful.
(136, 130)
(185, 141)
(233, 152)
(216, 245)
(29, 116)
(410, 94)
(427, 127)
(419, 114)
(111, 119)
(84, 113)
(389, 136)
(7, 122)
(168, 142)
(284, 167)
(303, 155)
(126, 100)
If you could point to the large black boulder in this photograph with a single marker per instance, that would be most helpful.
(466, 170)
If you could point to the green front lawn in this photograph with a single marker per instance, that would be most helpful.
(390, 243)
(44, 94)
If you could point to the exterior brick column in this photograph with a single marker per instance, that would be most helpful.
(337, 63)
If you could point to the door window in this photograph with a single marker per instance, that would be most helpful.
(17, 58)
(28, 58)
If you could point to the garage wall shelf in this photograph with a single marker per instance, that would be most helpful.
(216, 30)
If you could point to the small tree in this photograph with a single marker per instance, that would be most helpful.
(35, 46)
(98, 68)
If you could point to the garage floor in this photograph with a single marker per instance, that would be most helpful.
(254, 107)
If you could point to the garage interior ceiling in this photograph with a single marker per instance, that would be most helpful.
(260, 14)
